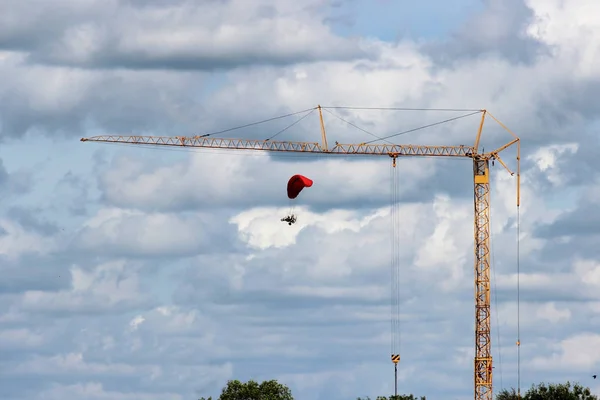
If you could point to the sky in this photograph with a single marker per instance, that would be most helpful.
(142, 273)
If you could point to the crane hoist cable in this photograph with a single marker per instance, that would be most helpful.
(518, 300)
(496, 312)
(395, 323)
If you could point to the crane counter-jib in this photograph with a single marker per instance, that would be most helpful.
(383, 149)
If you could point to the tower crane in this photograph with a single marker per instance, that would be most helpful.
(481, 185)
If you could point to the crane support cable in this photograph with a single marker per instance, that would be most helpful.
(425, 126)
(403, 109)
(256, 123)
(292, 124)
(396, 333)
(495, 292)
(518, 301)
(356, 126)
(385, 139)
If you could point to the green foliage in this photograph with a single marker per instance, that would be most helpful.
(273, 390)
(506, 394)
(399, 397)
(252, 390)
(552, 391)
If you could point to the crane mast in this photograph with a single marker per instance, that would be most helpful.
(481, 180)
(483, 347)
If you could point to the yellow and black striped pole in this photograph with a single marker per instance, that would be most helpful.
(396, 360)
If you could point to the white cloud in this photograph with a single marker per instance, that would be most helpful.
(261, 228)
(580, 352)
(178, 34)
(547, 157)
(239, 180)
(135, 233)
(73, 363)
(18, 241)
(440, 250)
(589, 272)
(136, 322)
(564, 24)
(96, 391)
(171, 320)
(109, 286)
(578, 280)
(19, 338)
(535, 314)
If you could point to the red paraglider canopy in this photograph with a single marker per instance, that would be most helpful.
(296, 184)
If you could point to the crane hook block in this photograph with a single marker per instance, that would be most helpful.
(395, 358)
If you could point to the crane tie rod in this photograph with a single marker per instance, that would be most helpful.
(425, 126)
(403, 109)
(403, 132)
(353, 108)
(257, 123)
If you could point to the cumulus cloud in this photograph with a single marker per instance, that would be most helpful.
(501, 28)
(579, 351)
(174, 35)
(18, 240)
(15, 182)
(19, 338)
(108, 287)
(96, 391)
(208, 180)
(129, 233)
(60, 101)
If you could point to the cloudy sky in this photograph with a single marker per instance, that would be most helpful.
(133, 273)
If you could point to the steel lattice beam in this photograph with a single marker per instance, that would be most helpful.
(483, 344)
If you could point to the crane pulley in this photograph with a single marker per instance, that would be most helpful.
(481, 181)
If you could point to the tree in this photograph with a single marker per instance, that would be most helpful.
(252, 390)
(506, 394)
(399, 397)
(552, 391)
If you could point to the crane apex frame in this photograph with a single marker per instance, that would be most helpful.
(481, 189)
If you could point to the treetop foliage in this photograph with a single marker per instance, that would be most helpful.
(552, 391)
(252, 390)
(273, 390)
(399, 397)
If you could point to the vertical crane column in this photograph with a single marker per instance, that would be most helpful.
(395, 269)
(483, 354)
